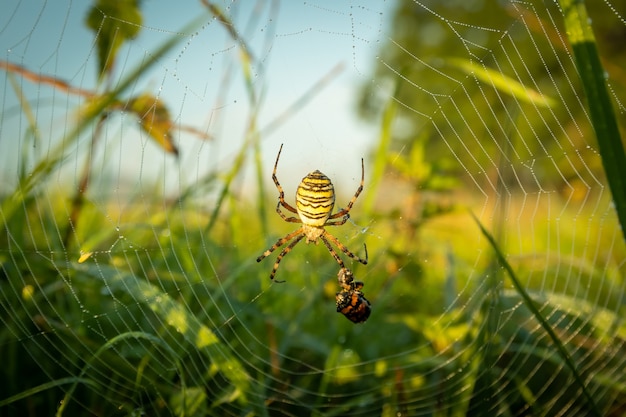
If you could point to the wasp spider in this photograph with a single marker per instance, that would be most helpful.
(315, 199)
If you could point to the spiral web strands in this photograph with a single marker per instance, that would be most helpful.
(137, 142)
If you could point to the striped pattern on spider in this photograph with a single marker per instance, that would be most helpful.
(315, 200)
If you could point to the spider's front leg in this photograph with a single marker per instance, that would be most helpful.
(345, 212)
(281, 193)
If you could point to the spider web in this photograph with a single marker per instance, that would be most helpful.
(137, 154)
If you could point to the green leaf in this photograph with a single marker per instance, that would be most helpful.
(503, 83)
(155, 120)
(96, 356)
(190, 401)
(53, 160)
(179, 319)
(113, 22)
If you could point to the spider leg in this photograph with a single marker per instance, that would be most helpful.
(280, 242)
(332, 252)
(284, 252)
(345, 211)
(285, 218)
(338, 222)
(343, 248)
(281, 193)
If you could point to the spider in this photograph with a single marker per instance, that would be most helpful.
(350, 300)
(315, 199)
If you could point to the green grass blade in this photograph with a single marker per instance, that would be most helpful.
(32, 122)
(252, 134)
(230, 176)
(183, 322)
(603, 118)
(506, 85)
(89, 112)
(111, 343)
(262, 206)
(380, 157)
(44, 387)
(530, 304)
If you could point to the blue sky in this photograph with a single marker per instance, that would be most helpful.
(298, 43)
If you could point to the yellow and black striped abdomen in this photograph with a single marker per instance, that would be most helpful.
(315, 199)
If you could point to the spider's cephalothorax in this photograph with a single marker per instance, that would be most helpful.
(350, 301)
(315, 199)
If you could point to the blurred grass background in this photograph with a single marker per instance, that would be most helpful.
(171, 315)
